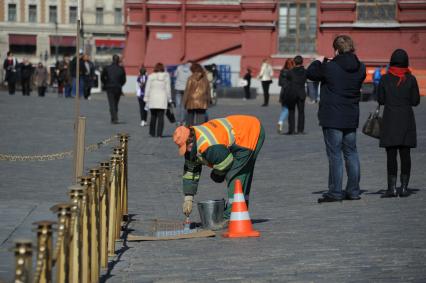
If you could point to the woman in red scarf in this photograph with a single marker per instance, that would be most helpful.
(398, 92)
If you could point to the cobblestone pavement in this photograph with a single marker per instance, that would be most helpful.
(371, 240)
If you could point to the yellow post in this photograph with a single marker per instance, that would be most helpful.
(104, 188)
(23, 261)
(80, 130)
(119, 153)
(76, 195)
(112, 205)
(86, 266)
(95, 223)
(43, 272)
(62, 251)
(124, 139)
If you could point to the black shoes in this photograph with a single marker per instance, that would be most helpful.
(290, 133)
(403, 191)
(391, 191)
(327, 198)
(348, 197)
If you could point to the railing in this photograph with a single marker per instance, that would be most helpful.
(87, 228)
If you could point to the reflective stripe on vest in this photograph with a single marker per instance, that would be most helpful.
(207, 135)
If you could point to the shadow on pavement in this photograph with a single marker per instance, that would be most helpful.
(118, 252)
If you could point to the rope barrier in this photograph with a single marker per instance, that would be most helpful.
(55, 156)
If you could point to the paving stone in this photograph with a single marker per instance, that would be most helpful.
(371, 240)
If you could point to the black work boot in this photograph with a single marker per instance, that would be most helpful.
(403, 192)
(391, 191)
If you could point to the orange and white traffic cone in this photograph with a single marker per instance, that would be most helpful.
(240, 223)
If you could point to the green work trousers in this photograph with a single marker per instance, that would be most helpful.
(244, 174)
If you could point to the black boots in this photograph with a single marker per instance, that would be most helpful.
(391, 191)
(403, 192)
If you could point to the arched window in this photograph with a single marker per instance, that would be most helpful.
(297, 26)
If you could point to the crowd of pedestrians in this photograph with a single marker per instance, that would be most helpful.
(39, 77)
(338, 80)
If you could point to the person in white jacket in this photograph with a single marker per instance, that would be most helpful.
(265, 76)
(157, 96)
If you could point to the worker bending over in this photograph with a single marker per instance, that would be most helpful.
(228, 145)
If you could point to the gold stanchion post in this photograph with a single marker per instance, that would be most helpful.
(119, 212)
(76, 195)
(86, 262)
(112, 205)
(43, 272)
(104, 188)
(95, 219)
(23, 261)
(124, 139)
(62, 251)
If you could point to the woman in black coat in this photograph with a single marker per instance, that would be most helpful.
(398, 92)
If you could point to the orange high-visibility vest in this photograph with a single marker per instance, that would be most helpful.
(241, 130)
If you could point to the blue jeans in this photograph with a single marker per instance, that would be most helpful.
(283, 115)
(80, 86)
(338, 141)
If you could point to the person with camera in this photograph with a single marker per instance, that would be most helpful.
(341, 79)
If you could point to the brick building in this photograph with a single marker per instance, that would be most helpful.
(243, 32)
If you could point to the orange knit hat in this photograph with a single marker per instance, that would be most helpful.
(180, 136)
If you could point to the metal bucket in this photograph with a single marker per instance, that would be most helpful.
(211, 213)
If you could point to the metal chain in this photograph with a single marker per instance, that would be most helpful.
(55, 156)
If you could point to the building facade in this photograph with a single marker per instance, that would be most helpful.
(243, 32)
(45, 30)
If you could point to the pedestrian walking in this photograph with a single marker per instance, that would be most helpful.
(312, 91)
(297, 81)
(73, 72)
(10, 65)
(140, 93)
(65, 72)
(341, 80)
(228, 145)
(197, 96)
(26, 74)
(113, 78)
(286, 96)
(40, 79)
(265, 76)
(247, 78)
(182, 74)
(398, 91)
(157, 96)
(89, 76)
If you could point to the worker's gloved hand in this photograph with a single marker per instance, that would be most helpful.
(217, 177)
(187, 205)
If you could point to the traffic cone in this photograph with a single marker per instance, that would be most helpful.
(240, 223)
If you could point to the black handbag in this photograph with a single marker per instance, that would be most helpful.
(169, 114)
(373, 124)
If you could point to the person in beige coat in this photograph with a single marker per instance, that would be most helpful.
(40, 79)
(265, 76)
(196, 98)
(157, 97)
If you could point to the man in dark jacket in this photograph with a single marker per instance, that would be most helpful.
(341, 80)
(26, 73)
(113, 78)
(297, 78)
(88, 76)
(10, 65)
(73, 72)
